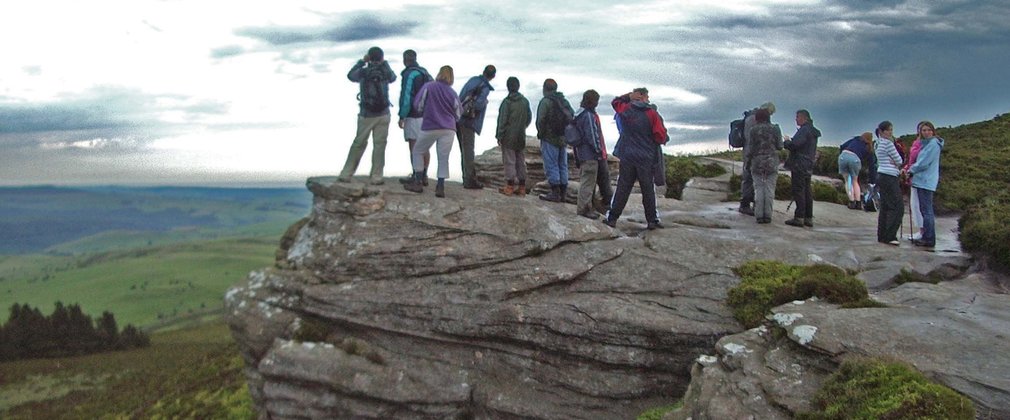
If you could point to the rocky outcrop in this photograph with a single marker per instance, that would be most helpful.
(390, 304)
(954, 332)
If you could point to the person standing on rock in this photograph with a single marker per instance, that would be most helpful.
(888, 168)
(440, 109)
(802, 152)
(591, 156)
(746, 180)
(514, 116)
(474, 96)
(373, 75)
(764, 141)
(641, 131)
(925, 177)
(553, 115)
(412, 78)
(850, 161)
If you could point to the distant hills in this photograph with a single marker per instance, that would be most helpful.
(40, 219)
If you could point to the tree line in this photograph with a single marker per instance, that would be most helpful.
(67, 332)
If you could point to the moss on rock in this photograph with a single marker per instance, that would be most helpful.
(877, 389)
(767, 284)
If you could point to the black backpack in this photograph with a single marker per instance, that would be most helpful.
(373, 89)
(736, 135)
(559, 117)
(469, 103)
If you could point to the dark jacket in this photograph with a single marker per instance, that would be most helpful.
(546, 106)
(641, 130)
(411, 80)
(514, 116)
(803, 149)
(765, 140)
(357, 75)
(476, 82)
(592, 146)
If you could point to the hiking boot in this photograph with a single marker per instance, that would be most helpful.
(795, 222)
(563, 191)
(414, 185)
(521, 188)
(808, 222)
(554, 196)
(589, 214)
(655, 225)
(746, 210)
(858, 205)
(922, 243)
(344, 179)
(612, 224)
(440, 188)
(377, 181)
(764, 220)
(508, 189)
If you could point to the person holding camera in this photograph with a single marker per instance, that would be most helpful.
(373, 75)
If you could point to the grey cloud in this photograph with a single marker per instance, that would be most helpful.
(99, 113)
(358, 27)
(227, 51)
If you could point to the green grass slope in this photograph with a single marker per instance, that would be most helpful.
(147, 287)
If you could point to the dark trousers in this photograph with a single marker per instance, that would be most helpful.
(746, 185)
(802, 195)
(603, 180)
(466, 138)
(892, 208)
(626, 179)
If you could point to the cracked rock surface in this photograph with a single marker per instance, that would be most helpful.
(390, 304)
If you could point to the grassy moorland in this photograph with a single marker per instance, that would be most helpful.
(149, 287)
(158, 258)
(189, 373)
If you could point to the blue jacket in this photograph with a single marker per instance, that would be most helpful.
(412, 78)
(638, 142)
(926, 169)
(592, 136)
(357, 75)
(485, 85)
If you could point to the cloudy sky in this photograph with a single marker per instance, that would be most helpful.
(255, 93)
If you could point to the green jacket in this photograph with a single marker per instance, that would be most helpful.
(514, 116)
(548, 111)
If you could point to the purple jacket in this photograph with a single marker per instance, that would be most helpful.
(439, 106)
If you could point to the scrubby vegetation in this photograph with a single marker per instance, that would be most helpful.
(658, 412)
(766, 284)
(680, 169)
(876, 389)
(906, 276)
(194, 373)
(67, 332)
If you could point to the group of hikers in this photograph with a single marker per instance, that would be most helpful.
(432, 113)
(889, 165)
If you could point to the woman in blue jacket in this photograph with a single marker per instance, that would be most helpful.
(926, 176)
